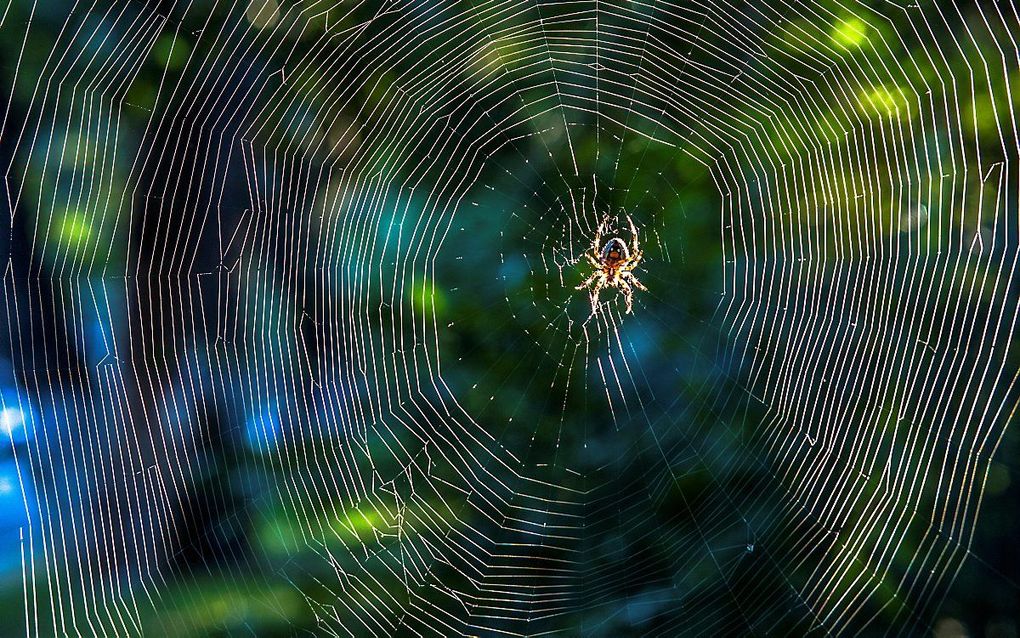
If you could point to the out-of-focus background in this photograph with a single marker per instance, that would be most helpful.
(293, 344)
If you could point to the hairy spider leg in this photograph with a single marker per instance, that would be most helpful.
(587, 282)
(629, 276)
(598, 234)
(636, 253)
(599, 285)
(628, 292)
(633, 236)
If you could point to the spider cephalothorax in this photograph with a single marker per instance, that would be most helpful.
(614, 265)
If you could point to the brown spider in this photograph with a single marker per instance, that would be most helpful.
(614, 266)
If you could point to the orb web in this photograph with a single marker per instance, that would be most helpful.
(294, 341)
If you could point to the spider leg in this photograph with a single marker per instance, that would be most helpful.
(634, 280)
(587, 282)
(598, 235)
(595, 294)
(634, 260)
(593, 260)
(633, 237)
(629, 292)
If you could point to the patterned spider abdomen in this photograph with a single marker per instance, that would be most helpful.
(614, 252)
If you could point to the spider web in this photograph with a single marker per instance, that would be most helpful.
(295, 346)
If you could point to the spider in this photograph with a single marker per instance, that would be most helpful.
(614, 266)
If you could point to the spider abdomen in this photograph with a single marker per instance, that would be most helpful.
(614, 252)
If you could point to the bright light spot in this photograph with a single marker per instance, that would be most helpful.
(885, 100)
(171, 52)
(74, 229)
(950, 628)
(984, 111)
(262, 430)
(427, 298)
(10, 420)
(850, 33)
(263, 13)
(998, 479)
(500, 54)
(6, 485)
(360, 524)
(913, 217)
